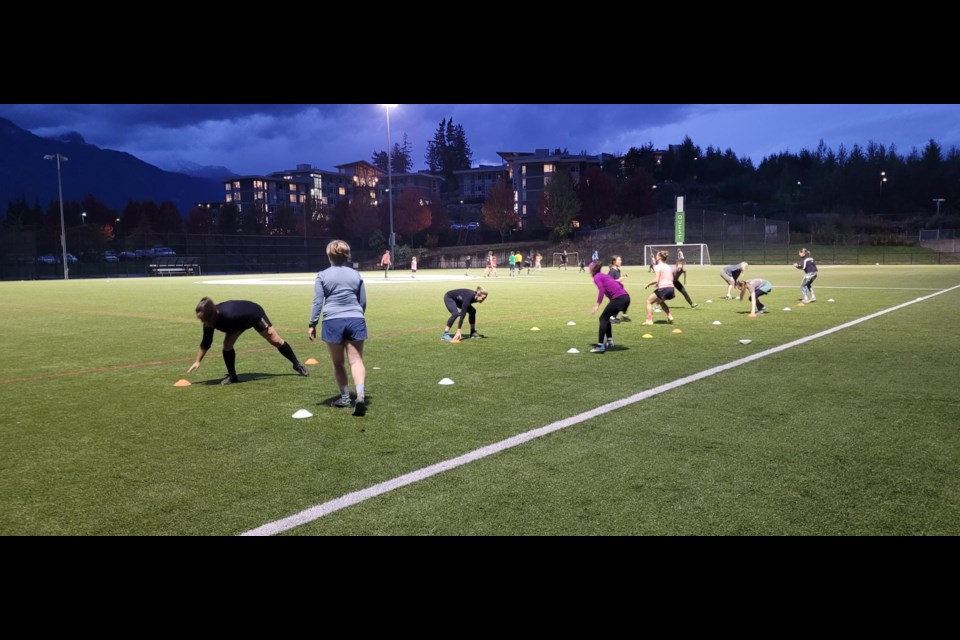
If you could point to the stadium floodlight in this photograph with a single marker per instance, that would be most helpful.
(392, 239)
(63, 231)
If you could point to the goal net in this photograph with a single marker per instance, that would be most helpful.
(573, 259)
(692, 253)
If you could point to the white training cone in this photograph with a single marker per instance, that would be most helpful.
(534, 328)
(446, 381)
(717, 322)
(746, 341)
(376, 368)
(573, 350)
(709, 301)
(303, 413)
(786, 309)
(571, 324)
(831, 300)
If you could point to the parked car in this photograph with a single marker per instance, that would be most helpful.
(48, 258)
(71, 258)
(128, 255)
(110, 256)
(473, 226)
(456, 226)
(163, 251)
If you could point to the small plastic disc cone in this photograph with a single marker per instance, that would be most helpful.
(182, 382)
(311, 361)
(801, 304)
(746, 341)
(534, 328)
(446, 381)
(751, 315)
(573, 350)
(709, 301)
(302, 413)
(831, 300)
(646, 335)
(677, 331)
(787, 309)
(571, 324)
(717, 322)
(455, 340)
(376, 368)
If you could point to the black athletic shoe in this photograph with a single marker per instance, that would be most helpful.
(230, 379)
(360, 408)
(340, 403)
(302, 370)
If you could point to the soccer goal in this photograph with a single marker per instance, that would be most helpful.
(573, 259)
(692, 253)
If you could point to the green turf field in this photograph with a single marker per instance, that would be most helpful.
(852, 433)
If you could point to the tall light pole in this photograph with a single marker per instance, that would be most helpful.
(63, 231)
(392, 239)
(938, 201)
(883, 178)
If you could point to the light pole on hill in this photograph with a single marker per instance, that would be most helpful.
(391, 240)
(63, 231)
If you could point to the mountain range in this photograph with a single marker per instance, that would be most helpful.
(112, 177)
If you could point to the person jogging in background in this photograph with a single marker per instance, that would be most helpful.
(233, 317)
(680, 269)
(413, 267)
(663, 279)
(619, 301)
(757, 287)
(730, 274)
(385, 262)
(809, 268)
(491, 265)
(340, 297)
(459, 303)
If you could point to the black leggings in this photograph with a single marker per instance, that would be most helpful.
(455, 312)
(615, 306)
(679, 287)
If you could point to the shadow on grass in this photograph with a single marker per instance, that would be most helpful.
(250, 377)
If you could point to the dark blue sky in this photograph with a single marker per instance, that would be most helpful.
(257, 139)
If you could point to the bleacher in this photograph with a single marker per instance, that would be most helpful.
(174, 266)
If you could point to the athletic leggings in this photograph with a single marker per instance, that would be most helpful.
(679, 287)
(806, 286)
(615, 306)
(455, 312)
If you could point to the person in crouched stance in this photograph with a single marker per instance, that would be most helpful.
(233, 317)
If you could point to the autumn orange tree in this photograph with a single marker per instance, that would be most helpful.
(498, 210)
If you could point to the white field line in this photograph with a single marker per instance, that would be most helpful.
(318, 511)
(356, 497)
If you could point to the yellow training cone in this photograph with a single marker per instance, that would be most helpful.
(534, 328)
(311, 361)
(182, 383)
(646, 335)
(751, 315)
(677, 331)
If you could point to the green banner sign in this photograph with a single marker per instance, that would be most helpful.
(679, 227)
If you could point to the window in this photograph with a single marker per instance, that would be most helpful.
(342, 191)
(549, 168)
(523, 170)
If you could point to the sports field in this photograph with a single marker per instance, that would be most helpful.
(838, 418)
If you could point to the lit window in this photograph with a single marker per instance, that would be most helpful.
(342, 191)
(548, 168)
(523, 170)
